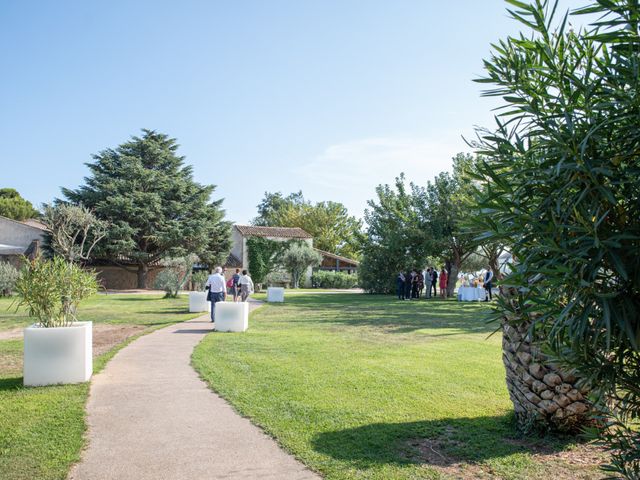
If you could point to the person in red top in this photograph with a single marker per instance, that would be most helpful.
(443, 283)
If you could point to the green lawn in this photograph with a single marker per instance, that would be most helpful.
(41, 429)
(113, 308)
(366, 387)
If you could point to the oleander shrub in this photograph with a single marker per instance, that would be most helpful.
(51, 290)
(326, 279)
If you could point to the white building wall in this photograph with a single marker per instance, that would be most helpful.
(18, 234)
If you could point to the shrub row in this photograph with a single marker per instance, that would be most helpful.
(323, 279)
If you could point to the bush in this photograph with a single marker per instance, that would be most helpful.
(323, 279)
(8, 277)
(174, 275)
(199, 279)
(52, 289)
(277, 277)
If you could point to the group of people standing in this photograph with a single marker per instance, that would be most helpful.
(239, 285)
(411, 284)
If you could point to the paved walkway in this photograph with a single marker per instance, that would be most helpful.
(151, 417)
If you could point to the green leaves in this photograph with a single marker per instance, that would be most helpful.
(154, 207)
(13, 206)
(51, 290)
(563, 192)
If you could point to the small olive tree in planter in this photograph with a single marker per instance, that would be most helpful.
(57, 348)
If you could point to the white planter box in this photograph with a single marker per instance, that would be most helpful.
(58, 355)
(232, 316)
(198, 302)
(275, 294)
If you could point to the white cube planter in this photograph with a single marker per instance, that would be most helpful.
(198, 302)
(58, 355)
(275, 294)
(231, 316)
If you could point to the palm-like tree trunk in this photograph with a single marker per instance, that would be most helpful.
(544, 396)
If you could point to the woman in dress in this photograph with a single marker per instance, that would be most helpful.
(443, 283)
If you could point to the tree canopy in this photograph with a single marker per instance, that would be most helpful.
(13, 206)
(333, 229)
(153, 206)
(409, 225)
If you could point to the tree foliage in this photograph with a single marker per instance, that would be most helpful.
(396, 237)
(13, 206)
(264, 256)
(408, 226)
(175, 273)
(297, 259)
(330, 224)
(560, 188)
(154, 207)
(73, 231)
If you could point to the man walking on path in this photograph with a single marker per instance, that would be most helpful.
(216, 286)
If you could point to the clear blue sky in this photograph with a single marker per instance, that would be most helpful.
(330, 97)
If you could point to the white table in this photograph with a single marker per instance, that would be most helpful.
(471, 294)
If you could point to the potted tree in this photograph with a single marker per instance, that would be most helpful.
(57, 347)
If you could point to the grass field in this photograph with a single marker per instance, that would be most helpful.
(41, 429)
(115, 309)
(365, 387)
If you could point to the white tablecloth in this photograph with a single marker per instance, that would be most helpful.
(470, 294)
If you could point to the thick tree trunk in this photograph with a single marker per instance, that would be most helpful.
(452, 268)
(544, 396)
(143, 269)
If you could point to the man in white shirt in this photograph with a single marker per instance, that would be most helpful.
(216, 286)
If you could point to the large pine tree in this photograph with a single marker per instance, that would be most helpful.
(154, 207)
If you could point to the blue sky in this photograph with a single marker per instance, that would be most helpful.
(327, 97)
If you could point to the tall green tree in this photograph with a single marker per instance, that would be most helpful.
(397, 237)
(333, 229)
(13, 206)
(153, 206)
(443, 209)
(561, 190)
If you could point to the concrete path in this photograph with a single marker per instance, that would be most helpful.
(151, 417)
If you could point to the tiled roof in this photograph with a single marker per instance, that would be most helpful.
(32, 222)
(275, 232)
(337, 257)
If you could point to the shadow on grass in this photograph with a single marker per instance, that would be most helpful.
(384, 311)
(437, 442)
(10, 383)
